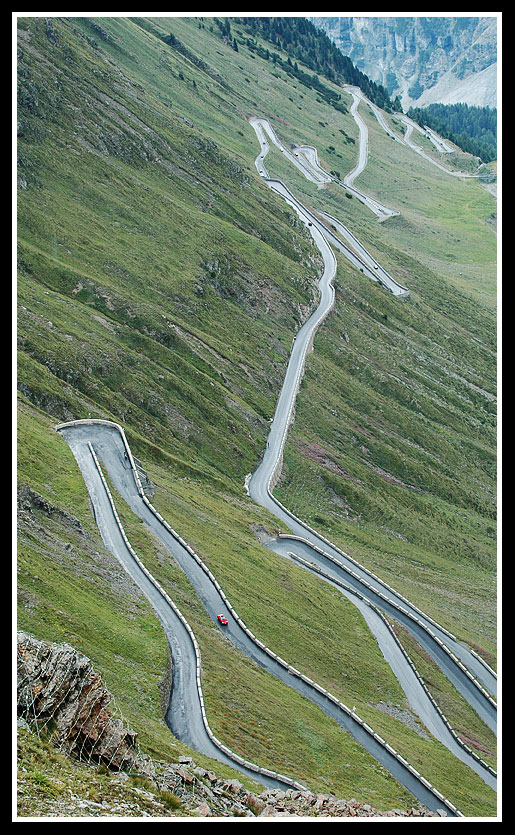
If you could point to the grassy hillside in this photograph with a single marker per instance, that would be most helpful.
(160, 284)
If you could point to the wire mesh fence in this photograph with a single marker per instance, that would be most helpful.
(61, 697)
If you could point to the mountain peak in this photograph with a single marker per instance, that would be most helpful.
(423, 60)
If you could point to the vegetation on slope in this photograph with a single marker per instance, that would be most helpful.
(160, 285)
(52, 785)
(399, 464)
(303, 42)
(474, 129)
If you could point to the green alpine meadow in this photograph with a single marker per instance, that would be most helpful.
(160, 283)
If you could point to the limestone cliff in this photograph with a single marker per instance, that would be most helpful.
(422, 59)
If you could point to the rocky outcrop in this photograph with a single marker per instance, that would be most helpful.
(203, 793)
(58, 687)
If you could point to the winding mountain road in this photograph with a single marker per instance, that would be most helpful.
(355, 252)
(94, 441)
(481, 681)
(90, 440)
(382, 212)
(437, 141)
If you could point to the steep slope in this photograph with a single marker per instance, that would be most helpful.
(479, 89)
(160, 286)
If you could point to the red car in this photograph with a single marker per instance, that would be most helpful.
(223, 620)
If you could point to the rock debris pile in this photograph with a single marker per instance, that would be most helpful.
(58, 687)
(209, 796)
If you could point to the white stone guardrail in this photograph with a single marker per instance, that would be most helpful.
(370, 573)
(231, 754)
(420, 623)
(291, 670)
(329, 234)
(314, 567)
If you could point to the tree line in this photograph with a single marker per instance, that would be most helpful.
(303, 42)
(471, 128)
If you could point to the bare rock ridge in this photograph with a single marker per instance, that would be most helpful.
(59, 689)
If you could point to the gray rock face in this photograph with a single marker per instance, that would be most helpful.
(56, 684)
(422, 59)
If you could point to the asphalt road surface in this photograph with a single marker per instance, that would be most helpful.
(184, 715)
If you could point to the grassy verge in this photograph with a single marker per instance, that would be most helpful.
(462, 718)
(51, 785)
